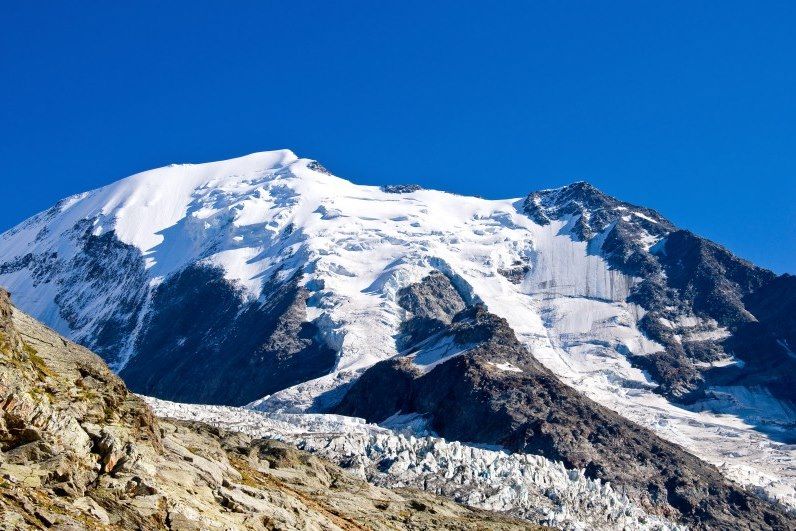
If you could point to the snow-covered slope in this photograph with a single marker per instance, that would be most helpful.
(271, 211)
(98, 267)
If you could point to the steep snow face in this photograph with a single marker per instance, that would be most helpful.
(158, 221)
(530, 487)
(264, 217)
(141, 207)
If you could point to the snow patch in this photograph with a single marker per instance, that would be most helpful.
(506, 366)
(435, 351)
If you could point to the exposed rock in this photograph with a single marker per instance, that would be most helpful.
(400, 188)
(317, 166)
(105, 264)
(591, 210)
(495, 392)
(431, 304)
(201, 329)
(685, 278)
(516, 273)
(79, 451)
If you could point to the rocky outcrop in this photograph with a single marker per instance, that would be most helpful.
(592, 211)
(400, 188)
(201, 329)
(431, 305)
(79, 451)
(493, 391)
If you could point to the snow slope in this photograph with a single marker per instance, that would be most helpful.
(269, 215)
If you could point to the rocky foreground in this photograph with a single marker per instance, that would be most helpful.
(80, 451)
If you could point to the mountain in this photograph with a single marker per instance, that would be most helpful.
(552, 319)
(78, 451)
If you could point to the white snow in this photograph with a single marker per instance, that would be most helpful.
(506, 366)
(434, 352)
(644, 216)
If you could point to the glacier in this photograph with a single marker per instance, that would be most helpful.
(530, 487)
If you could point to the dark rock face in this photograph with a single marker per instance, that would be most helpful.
(704, 279)
(516, 272)
(470, 398)
(105, 264)
(754, 306)
(314, 165)
(710, 280)
(774, 305)
(432, 304)
(684, 276)
(203, 343)
(767, 345)
(401, 188)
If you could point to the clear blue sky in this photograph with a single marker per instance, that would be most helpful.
(686, 107)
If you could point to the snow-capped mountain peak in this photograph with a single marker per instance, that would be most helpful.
(594, 209)
(267, 278)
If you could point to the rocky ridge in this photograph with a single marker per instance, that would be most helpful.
(703, 304)
(463, 363)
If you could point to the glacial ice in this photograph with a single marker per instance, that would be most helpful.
(527, 486)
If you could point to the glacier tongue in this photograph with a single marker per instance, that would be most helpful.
(531, 487)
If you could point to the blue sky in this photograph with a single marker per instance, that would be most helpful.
(686, 107)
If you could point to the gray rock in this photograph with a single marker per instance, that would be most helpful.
(92, 456)
(204, 343)
(470, 398)
(400, 188)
